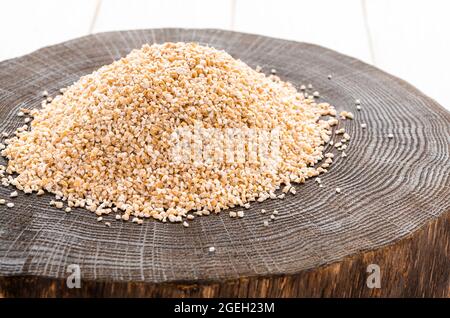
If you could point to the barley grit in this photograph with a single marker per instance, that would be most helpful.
(105, 143)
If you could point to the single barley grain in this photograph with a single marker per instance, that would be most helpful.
(346, 115)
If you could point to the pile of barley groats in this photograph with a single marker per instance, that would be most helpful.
(172, 132)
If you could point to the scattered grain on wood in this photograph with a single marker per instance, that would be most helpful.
(83, 142)
(346, 115)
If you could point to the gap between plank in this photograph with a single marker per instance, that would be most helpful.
(368, 32)
(233, 15)
(94, 18)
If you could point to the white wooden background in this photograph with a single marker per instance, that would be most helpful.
(408, 38)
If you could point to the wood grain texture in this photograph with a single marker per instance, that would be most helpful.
(417, 266)
(391, 187)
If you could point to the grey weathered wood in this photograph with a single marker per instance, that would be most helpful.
(417, 266)
(390, 187)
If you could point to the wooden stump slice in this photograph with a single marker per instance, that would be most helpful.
(391, 187)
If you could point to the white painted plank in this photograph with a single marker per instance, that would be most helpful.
(141, 14)
(411, 40)
(338, 25)
(26, 25)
